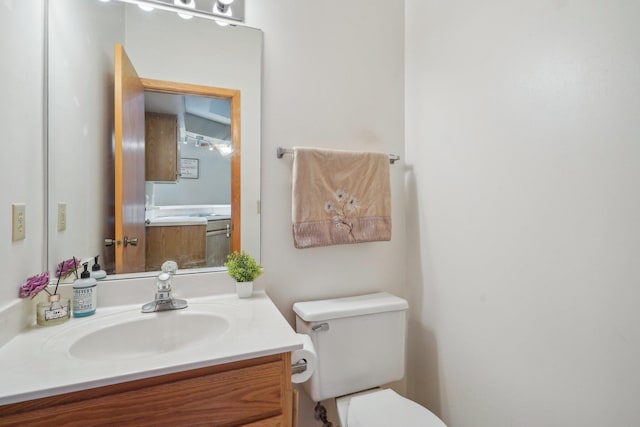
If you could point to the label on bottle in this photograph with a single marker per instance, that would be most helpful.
(84, 300)
(57, 312)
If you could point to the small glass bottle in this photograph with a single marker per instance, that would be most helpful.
(53, 312)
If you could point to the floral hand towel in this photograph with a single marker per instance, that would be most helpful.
(340, 197)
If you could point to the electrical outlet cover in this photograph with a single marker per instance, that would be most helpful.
(18, 221)
(62, 216)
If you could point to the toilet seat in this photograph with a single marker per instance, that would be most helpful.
(387, 408)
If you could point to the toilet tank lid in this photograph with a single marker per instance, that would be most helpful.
(337, 308)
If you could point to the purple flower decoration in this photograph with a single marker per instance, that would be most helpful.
(34, 285)
(65, 268)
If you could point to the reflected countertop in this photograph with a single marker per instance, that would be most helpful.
(186, 215)
(176, 220)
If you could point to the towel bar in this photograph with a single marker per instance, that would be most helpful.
(282, 151)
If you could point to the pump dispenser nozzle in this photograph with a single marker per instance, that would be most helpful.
(85, 274)
(97, 272)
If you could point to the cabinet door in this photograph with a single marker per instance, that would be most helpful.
(161, 147)
(185, 244)
(271, 422)
(246, 393)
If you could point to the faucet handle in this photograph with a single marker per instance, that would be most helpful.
(170, 267)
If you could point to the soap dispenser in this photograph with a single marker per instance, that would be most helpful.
(97, 272)
(85, 297)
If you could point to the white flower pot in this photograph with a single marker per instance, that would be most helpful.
(244, 289)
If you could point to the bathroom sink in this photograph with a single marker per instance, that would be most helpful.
(119, 343)
(149, 335)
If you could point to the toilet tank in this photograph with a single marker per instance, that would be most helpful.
(359, 341)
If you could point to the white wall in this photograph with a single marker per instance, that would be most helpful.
(21, 104)
(339, 89)
(82, 35)
(212, 187)
(522, 130)
(333, 78)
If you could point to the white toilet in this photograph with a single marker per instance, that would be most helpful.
(360, 344)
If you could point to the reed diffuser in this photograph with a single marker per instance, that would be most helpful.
(56, 309)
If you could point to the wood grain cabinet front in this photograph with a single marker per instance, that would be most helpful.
(255, 392)
(185, 244)
(161, 147)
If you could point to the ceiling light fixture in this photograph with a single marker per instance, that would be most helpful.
(223, 149)
(189, 8)
(223, 8)
(191, 4)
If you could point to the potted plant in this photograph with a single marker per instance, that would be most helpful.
(244, 269)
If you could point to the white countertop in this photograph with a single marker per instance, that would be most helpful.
(36, 363)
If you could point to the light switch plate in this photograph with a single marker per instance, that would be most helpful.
(62, 216)
(18, 221)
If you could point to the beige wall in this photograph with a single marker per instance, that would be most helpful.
(522, 131)
(21, 163)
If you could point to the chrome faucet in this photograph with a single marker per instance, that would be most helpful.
(163, 300)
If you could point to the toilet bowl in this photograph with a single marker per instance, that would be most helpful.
(383, 408)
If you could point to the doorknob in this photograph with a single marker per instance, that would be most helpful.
(111, 242)
(130, 241)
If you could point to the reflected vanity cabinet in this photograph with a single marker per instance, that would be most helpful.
(185, 244)
(161, 147)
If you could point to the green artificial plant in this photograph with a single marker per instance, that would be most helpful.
(242, 267)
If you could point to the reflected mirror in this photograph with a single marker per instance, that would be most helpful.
(163, 48)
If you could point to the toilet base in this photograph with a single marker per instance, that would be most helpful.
(342, 404)
(382, 408)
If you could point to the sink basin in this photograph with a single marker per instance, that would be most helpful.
(150, 335)
(119, 343)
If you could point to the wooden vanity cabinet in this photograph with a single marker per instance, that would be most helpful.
(185, 244)
(161, 147)
(255, 392)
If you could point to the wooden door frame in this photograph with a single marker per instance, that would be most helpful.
(233, 96)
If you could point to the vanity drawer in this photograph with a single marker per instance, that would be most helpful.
(247, 393)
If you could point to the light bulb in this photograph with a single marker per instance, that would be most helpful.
(185, 3)
(222, 8)
(224, 149)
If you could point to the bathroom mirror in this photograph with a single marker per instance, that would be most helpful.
(163, 47)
